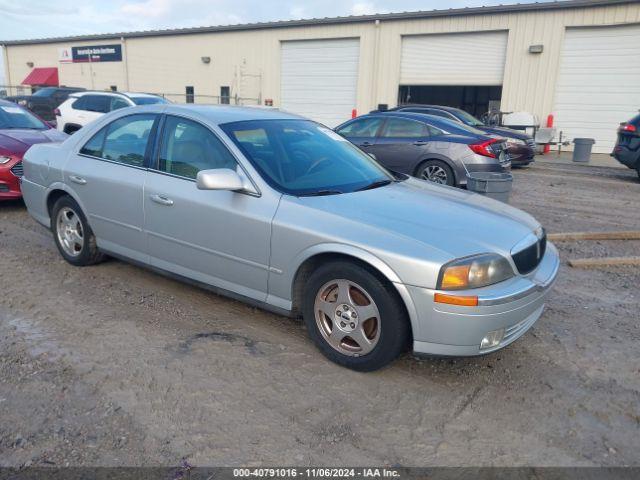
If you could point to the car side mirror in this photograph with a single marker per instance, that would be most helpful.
(221, 179)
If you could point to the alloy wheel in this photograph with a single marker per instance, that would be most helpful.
(69, 231)
(436, 174)
(347, 317)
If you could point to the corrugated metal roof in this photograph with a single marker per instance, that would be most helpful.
(511, 8)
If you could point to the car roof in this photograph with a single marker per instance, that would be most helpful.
(421, 117)
(439, 107)
(219, 114)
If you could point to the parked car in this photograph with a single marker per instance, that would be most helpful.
(521, 146)
(19, 129)
(44, 101)
(425, 146)
(627, 148)
(284, 213)
(85, 107)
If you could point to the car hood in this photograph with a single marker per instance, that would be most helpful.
(505, 132)
(17, 141)
(453, 222)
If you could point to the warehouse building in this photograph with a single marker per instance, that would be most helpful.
(578, 60)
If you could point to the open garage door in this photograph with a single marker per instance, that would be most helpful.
(462, 70)
(319, 79)
(598, 83)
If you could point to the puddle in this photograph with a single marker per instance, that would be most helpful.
(39, 341)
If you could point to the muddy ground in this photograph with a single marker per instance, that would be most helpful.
(115, 365)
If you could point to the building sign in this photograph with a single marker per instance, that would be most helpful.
(64, 55)
(91, 53)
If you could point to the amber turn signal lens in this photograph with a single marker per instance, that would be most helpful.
(455, 277)
(456, 300)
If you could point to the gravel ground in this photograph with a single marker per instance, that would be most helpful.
(114, 365)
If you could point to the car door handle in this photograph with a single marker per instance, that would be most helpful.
(366, 144)
(78, 180)
(162, 200)
(420, 143)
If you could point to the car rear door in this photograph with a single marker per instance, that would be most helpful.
(401, 144)
(221, 238)
(107, 174)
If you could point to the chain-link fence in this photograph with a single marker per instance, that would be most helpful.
(12, 90)
(208, 99)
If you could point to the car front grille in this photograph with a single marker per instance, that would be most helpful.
(528, 259)
(17, 169)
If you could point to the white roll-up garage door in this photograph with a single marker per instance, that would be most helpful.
(454, 59)
(598, 83)
(319, 79)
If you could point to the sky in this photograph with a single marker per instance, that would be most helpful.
(54, 18)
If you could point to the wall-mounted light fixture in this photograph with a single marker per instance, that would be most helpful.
(206, 60)
(30, 64)
(536, 48)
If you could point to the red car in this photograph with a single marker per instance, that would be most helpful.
(19, 129)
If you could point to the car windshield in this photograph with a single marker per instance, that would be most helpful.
(300, 157)
(16, 117)
(44, 92)
(148, 100)
(469, 119)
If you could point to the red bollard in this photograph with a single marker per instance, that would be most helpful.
(354, 113)
(547, 147)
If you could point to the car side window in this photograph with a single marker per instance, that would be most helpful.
(80, 103)
(366, 127)
(188, 147)
(97, 103)
(402, 128)
(123, 140)
(118, 103)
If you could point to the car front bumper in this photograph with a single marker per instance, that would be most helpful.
(9, 181)
(512, 307)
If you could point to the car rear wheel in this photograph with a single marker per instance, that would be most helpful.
(436, 171)
(73, 235)
(353, 317)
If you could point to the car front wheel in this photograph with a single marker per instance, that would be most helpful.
(73, 235)
(354, 318)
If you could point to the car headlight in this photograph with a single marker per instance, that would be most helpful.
(4, 159)
(516, 141)
(474, 272)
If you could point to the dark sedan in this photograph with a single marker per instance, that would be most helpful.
(425, 146)
(627, 149)
(19, 129)
(521, 146)
(45, 101)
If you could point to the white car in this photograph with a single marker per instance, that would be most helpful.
(84, 107)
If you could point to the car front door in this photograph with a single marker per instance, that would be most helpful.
(221, 238)
(107, 174)
(401, 144)
(362, 132)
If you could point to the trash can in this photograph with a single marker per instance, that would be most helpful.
(582, 149)
(493, 185)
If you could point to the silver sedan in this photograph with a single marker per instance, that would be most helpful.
(283, 213)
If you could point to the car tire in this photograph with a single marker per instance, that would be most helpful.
(374, 328)
(436, 171)
(73, 235)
